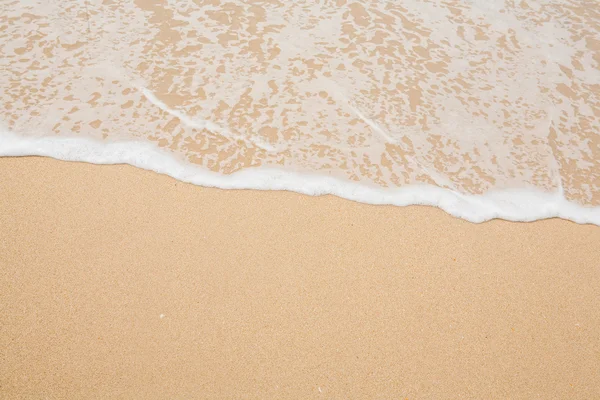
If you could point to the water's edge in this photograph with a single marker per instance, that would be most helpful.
(511, 205)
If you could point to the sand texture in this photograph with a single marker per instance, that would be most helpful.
(121, 283)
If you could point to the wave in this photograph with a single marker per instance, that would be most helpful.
(486, 109)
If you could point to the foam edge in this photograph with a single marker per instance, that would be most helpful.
(512, 205)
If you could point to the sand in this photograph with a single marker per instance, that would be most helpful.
(121, 283)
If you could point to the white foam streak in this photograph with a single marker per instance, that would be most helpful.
(513, 205)
(372, 124)
(201, 123)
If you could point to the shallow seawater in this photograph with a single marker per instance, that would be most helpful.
(474, 97)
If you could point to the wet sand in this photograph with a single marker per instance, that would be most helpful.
(121, 283)
(468, 96)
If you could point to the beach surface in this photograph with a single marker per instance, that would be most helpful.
(117, 282)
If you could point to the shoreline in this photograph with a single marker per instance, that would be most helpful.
(519, 205)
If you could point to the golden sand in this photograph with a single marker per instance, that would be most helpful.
(120, 283)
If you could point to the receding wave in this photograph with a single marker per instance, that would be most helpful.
(484, 108)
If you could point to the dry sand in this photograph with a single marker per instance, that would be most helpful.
(121, 283)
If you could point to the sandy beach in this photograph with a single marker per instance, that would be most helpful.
(121, 283)
(117, 282)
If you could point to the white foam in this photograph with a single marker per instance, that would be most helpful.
(512, 205)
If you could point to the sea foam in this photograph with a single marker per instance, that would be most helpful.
(486, 109)
(512, 205)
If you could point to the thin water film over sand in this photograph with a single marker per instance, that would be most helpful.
(471, 96)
